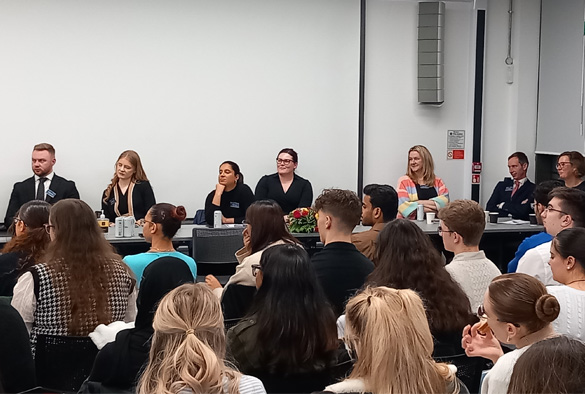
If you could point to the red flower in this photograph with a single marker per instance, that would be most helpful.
(296, 214)
(305, 212)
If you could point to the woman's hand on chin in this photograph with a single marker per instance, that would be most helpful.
(478, 344)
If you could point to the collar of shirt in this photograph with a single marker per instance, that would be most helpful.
(521, 182)
(48, 176)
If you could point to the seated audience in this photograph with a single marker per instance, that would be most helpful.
(285, 187)
(420, 185)
(340, 267)
(513, 196)
(516, 310)
(265, 227)
(288, 339)
(160, 226)
(461, 227)
(567, 263)
(27, 246)
(388, 333)
(188, 348)
(408, 260)
(129, 193)
(80, 283)
(571, 168)
(541, 201)
(379, 206)
(553, 365)
(118, 365)
(231, 195)
(566, 209)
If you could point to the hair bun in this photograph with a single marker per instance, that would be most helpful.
(547, 308)
(179, 213)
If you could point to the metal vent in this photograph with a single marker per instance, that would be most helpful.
(431, 25)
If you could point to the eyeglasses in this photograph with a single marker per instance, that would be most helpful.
(256, 268)
(284, 161)
(550, 208)
(48, 228)
(16, 220)
(482, 315)
(562, 164)
(441, 231)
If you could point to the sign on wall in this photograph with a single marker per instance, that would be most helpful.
(455, 144)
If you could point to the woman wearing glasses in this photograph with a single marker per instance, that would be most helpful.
(285, 187)
(27, 246)
(571, 169)
(517, 310)
(81, 282)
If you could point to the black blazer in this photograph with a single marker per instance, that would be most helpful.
(25, 191)
(142, 200)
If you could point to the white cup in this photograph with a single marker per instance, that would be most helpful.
(430, 217)
(487, 216)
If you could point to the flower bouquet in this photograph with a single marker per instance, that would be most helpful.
(303, 220)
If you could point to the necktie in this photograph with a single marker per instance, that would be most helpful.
(41, 189)
(516, 187)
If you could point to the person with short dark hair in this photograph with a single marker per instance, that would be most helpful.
(513, 196)
(44, 185)
(161, 223)
(461, 227)
(566, 209)
(571, 169)
(285, 187)
(379, 206)
(340, 267)
(553, 365)
(541, 200)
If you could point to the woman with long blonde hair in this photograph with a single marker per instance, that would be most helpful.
(188, 347)
(388, 332)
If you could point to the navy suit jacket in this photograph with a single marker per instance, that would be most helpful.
(25, 191)
(518, 205)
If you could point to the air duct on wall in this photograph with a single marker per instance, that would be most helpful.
(431, 25)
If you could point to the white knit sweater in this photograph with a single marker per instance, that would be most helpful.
(571, 320)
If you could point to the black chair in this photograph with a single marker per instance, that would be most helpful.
(469, 369)
(214, 251)
(236, 301)
(62, 362)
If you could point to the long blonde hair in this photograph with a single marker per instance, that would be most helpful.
(428, 165)
(139, 175)
(188, 346)
(388, 330)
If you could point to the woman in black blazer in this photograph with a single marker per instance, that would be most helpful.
(129, 193)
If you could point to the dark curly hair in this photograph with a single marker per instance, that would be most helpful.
(407, 259)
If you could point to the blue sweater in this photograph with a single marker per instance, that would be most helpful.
(138, 262)
(528, 243)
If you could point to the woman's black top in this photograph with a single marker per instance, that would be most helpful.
(425, 192)
(298, 195)
(233, 203)
(142, 199)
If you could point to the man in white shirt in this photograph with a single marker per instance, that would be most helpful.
(566, 209)
(43, 185)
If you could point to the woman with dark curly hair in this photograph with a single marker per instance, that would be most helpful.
(408, 260)
(27, 246)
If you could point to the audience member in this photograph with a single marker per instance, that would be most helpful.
(420, 185)
(44, 185)
(571, 168)
(340, 267)
(513, 196)
(285, 187)
(81, 282)
(387, 330)
(160, 226)
(567, 263)
(553, 365)
(231, 195)
(566, 209)
(408, 260)
(518, 311)
(118, 364)
(461, 227)
(27, 246)
(288, 339)
(541, 201)
(129, 193)
(188, 348)
(379, 206)
(265, 227)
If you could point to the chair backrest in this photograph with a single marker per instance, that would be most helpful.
(216, 245)
(63, 362)
(468, 369)
(199, 217)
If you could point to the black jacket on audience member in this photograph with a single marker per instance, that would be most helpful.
(9, 272)
(342, 270)
(518, 205)
(233, 203)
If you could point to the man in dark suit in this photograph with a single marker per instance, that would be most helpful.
(44, 185)
(514, 196)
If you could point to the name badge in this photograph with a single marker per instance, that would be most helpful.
(112, 201)
(234, 204)
(51, 193)
(509, 188)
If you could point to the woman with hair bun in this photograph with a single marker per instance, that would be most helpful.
(517, 310)
(187, 354)
(27, 246)
(160, 226)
